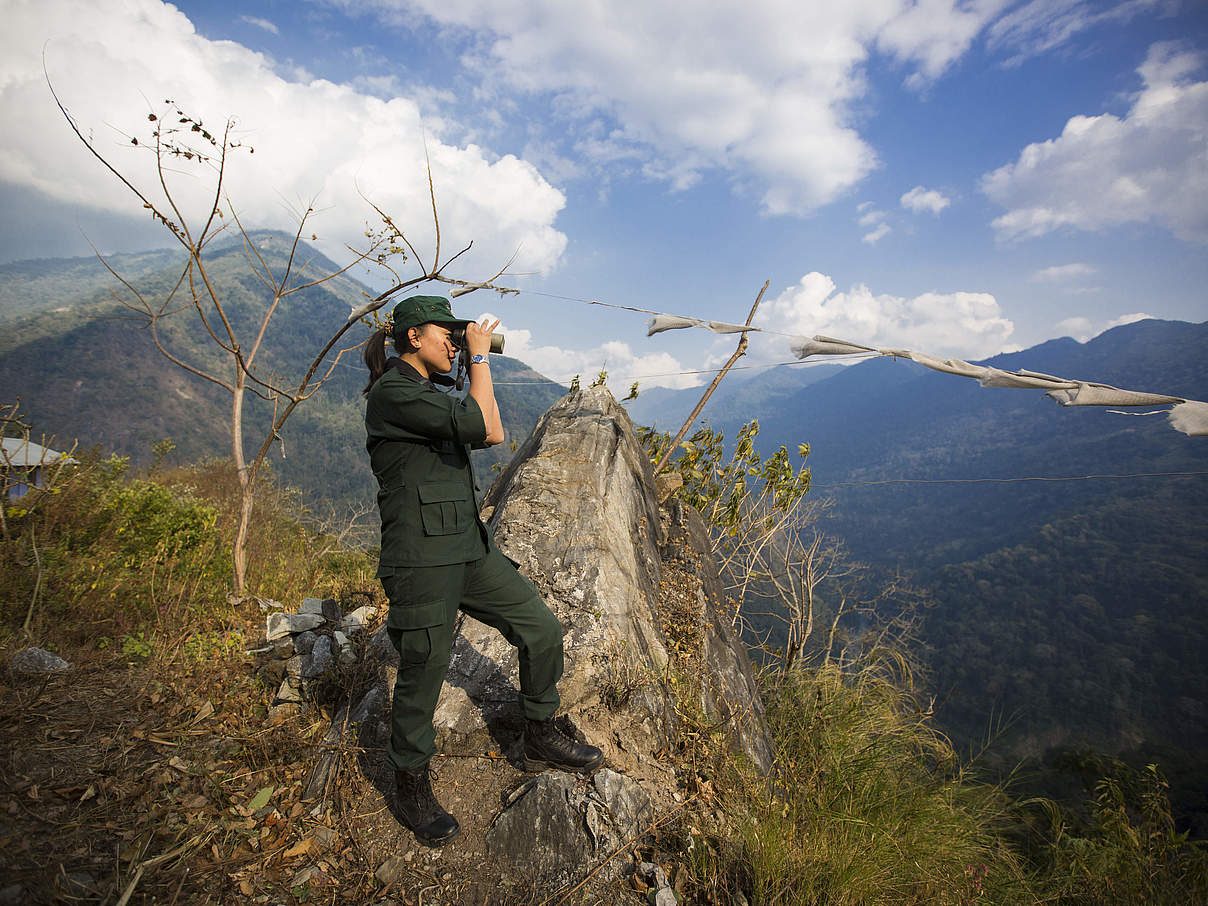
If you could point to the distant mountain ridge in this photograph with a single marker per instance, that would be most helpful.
(83, 369)
(1076, 611)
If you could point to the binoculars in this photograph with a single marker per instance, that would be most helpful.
(457, 336)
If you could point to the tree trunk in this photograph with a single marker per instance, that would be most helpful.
(247, 488)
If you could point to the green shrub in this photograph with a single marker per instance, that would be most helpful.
(103, 556)
(1128, 851)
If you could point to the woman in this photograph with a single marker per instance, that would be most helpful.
(438, 556)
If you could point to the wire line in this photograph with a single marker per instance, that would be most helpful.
(856, 484)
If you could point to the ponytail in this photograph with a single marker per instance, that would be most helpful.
(375, 356)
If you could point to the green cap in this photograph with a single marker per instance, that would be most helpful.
(416, 310)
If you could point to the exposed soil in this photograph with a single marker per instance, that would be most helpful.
(137, 782)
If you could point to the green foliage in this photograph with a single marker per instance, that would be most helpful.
(722, 488)
(213, 645)
(1094, 625)
(1128, 850)
(136, 645)
(146, 560)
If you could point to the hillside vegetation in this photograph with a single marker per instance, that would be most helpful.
(150, 771)
(90, 373)
(1068, 614)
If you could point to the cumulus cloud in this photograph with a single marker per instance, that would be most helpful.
(113, 63)
(920, 199)
(763, 91)
(1083, 329)
(623, 365)
(1149, 166)
(1059, 273)
(967, 325)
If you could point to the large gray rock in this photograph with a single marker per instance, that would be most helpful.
(279, 625)
(576, 510)
(557, 823)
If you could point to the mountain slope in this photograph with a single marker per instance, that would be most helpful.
(1076, 610)
(89, 372)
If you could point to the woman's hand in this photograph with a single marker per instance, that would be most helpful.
(478, 336)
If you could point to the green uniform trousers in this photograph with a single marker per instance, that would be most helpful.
(424, 601)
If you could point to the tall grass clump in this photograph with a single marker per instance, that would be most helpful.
(867, 805)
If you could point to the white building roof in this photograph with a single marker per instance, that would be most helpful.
(20, 451)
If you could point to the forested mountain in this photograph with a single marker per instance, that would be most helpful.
(85, 369)
(1067, 613)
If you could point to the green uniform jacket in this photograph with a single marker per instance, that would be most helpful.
(419, 441)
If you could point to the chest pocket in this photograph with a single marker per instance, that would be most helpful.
(445, 507)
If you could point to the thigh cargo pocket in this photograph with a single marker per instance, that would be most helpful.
(445, 507)
(411, 628)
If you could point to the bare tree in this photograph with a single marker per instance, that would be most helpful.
(179, 140)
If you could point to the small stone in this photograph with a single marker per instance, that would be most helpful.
(348, 654)
(293, 667)
(267, 605)
(272, 673)
(281, 624)
(319, 659)
(355, 622)
(304, 642)
(305, 876)
(390, 870)
(284, 647)
(287, 693)
(36, 660)
(327, 608)
(12, 895)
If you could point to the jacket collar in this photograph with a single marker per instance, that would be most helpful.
(408, 371)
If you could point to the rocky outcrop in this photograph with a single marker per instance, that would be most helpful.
(634, 584)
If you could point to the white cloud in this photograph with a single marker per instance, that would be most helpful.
(1149, 166)
(920, 199)
(763, 91)
(1078, 327)
(876, 235)
(113, 62)
(1131, 318)
(261, 23)
(623, 365)
(1084, 329)
(870, 217)
(968, 325)
(1059, 273)
(1042, 25)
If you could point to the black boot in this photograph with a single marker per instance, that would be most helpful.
(420, 811)
(546, 746)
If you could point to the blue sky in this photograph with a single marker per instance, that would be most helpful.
(954, 177)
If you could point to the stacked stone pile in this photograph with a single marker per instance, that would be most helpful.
(303, 646)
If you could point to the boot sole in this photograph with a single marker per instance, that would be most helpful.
(438, 841)
(535, 766)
